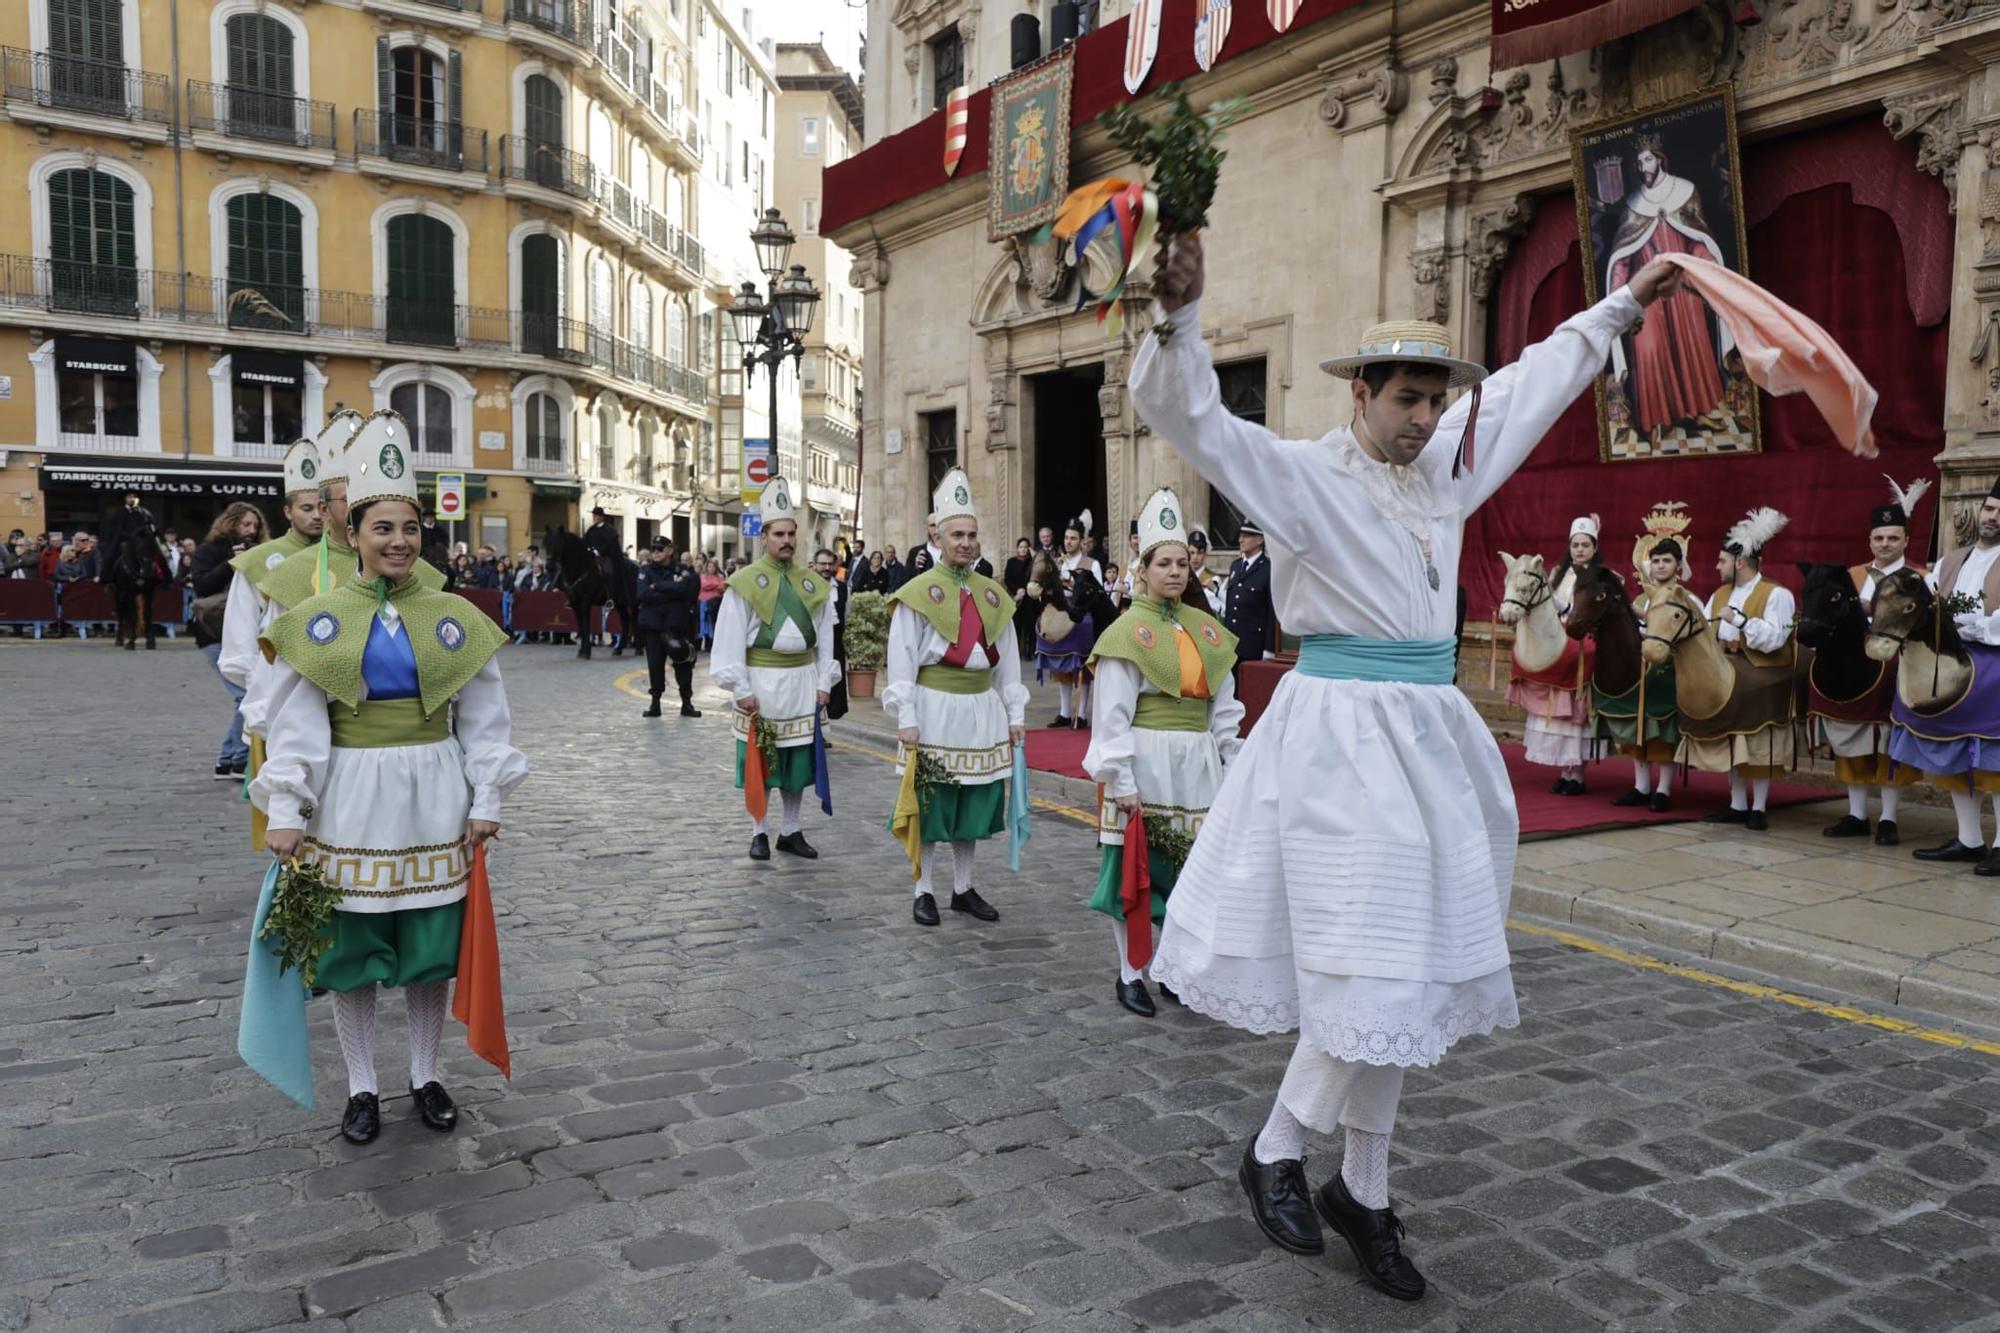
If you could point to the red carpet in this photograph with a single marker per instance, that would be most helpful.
(1543, 815)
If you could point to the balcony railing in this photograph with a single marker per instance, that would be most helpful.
(446, 144)
(64, 287)
(463, 6)
(93, 87)
(548, 165)
(248, 113)
(544, 456)
(615, 197)
(556, 16)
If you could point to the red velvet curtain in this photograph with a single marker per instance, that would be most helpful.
(1841, 262)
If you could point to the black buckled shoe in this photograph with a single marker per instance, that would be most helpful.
(1280, 1202)
(1950, 851)
(1757, 821)
(1132, 994)
(795, 844)
(1659, 802)
(1560, 787)
(760, 847)
(1167, 993)
(363, 1118)
(1728, 814)
(923, 910)
(436, 1106)
(1626, 800)
(1886, 834)
(973, 905)
(1989, 867)
(1847, 826)
(1375, 1235)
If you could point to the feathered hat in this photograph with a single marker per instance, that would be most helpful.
(1751, 533)
(1903, 501)
(1081, 523)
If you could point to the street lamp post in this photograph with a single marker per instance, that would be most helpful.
(774, 325)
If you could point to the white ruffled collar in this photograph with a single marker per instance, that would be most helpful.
(1404, 495)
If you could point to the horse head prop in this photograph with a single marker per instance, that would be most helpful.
(1910, 621)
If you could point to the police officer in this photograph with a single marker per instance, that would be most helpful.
(669, 593)
(1247, 608)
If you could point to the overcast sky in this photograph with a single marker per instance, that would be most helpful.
(836, 23)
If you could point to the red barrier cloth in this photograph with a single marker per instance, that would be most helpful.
(1135, 893)
(85, 600)
(488, 600)
(475, 998)
(1840, 262)
(1256, 682)
(1525, 31)
(542, 612)
(24, 600)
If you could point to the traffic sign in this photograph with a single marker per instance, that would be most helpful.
(757, 468)
(451, 496)
(753, 525)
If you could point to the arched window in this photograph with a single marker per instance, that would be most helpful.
(603, 317)
(418, 94)
(543, 100)
(607, 440)
(541, 295)
(87, 54)
(428, 410)
(422, 293)
(544, 433)
(642, 316)
(260, 77)
(677, 318)
(642, 458)
(266, 263)
(642, 178)
(93, 243)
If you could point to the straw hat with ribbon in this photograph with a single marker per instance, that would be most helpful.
(1420, 342)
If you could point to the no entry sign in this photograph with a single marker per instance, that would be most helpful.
(451, 496)
(756, 469)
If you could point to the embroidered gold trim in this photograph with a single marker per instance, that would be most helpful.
(965, 761)
(788, 728)
(1110, 819)
(374, 872)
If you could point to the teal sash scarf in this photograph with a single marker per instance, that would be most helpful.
(1351, 657)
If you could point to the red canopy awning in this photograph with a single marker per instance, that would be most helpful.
(1525, 31)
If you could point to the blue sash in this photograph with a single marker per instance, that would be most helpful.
(1351, 657)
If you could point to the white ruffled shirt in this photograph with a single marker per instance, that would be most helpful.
(1766, 633)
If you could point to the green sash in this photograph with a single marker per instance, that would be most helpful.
(379, 723)
(322, 638)
(933, 595)
(955, 680)
(788, 607)
(778, 657)
(758, 582)
(1161, 712)
(1144, 636)
(255, 563)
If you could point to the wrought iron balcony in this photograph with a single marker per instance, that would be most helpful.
(548, 165)
(93, 87)
(552, 16)
(249, 113)
(445, 144)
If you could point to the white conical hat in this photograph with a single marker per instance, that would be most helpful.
(302, 467)
(954, 498)
(776, 502)
(332, 443)
(1161, 520)
(378, 462)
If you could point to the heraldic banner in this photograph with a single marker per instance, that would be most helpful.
(1027, 167)
(1525, 31)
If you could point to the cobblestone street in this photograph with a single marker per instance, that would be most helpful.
(757, 1097)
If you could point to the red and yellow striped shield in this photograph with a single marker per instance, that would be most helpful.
(1211, 30)
(1142, 42)
(1281, 13)
(957, 108)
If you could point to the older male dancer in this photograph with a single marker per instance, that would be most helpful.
(1353, 876)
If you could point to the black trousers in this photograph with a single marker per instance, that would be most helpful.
(656, 667)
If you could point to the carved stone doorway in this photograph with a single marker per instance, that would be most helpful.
(1066, 449)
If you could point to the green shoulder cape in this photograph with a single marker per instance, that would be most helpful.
(757, 584)
(933, 595)
(1144, 636)
(322, 638)
(261, 561)
(298, 578)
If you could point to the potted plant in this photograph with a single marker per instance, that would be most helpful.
(867, 638)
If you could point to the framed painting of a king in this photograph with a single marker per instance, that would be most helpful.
(1664, 180)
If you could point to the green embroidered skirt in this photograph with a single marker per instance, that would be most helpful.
(793, 773)
(963, 814)
(394, 948)
(1110, 899)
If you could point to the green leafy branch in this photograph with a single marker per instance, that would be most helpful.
(1182, 151)
(1956, 604)
(765, 737)
(300, 922)
(1167, 841)
(931, 772)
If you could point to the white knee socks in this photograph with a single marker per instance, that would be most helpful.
(354, 1020)
(1126, 972)
(1063, 693)
(1966, 806)
(1642, 777)
(1857, 801)
(1760, 793)
(961, 865)
(1665, 784)
(427, 1001)
(1892, 800)
(1283, 1138)
(756, 826)
(1364, 1168)
(932, 851)
(1739, 796)
(792, 801)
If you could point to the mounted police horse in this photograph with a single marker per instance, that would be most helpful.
(581, 580)
(137, 570)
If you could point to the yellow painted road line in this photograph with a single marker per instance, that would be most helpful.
(1754, 990)
(627, 683)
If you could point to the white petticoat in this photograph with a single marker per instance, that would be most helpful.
(1178, 773)
(968, 732)
(389, 828)
(1353, 876)
(1554, 743)
(788, 697)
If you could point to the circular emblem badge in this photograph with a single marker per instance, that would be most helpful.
(1208, 632)
(307, 470)
(391, 461)
(936, 594)
(323, 628)
(763, 580)
(273, 560)
(451, 635)
(1167, 520)
(961, 496)
(810, 586)
(992, 597)
(1144, 634)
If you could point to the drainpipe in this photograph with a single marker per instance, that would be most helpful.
(180, 215)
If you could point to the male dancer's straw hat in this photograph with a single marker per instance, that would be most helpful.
(1399, 340)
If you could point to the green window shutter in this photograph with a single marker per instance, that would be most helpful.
(454, 106)
(87, 30)
(260, 54)
(544, 111)
(93, 242)
(422, 282)
(539, 311)
(267, 260)
(385, 93)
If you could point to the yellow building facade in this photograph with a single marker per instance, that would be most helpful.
(241, 215)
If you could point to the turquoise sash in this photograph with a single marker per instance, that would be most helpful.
(1351, 657)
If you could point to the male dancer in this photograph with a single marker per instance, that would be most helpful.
(774, 654)
(1353, 875)
(1751, 740)
(244, 615)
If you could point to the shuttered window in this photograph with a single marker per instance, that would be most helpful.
(541, 307)
(545, 429)
(422, 286)
(267, 273)
(93, 243)
(428, 410)
(260, 76)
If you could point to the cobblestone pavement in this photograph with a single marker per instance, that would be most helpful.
(757, 1097)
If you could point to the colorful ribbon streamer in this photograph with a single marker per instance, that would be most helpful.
(822, 778)
(475, 997)
(756, 781)
(1018, 832)
(1125, 212)
(271, 1032)
(1135, 892)
(906, 821)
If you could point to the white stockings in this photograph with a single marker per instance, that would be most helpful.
(1365, 1168)
(792, 800)
(1323, 1093)
(354, 1020)
(427, 1002)
(961, 865)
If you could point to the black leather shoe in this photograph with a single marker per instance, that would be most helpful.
(796, 845)
(1626, 800)
(436, 1105)
(924, 910)
(1886, 834)
(1280, 1203)
(1950, 851)
(689, 710)
(1560, 787)
(1728, 814)
(1846, 827)
(760, 848)
(1060, 721)
(654, 711)
(1375, 1235)
(1166, 993)
(973, 905)
(1659, 802)
(1132, 994)
(363, 1120)
(1989, 867)
(1757, 821)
